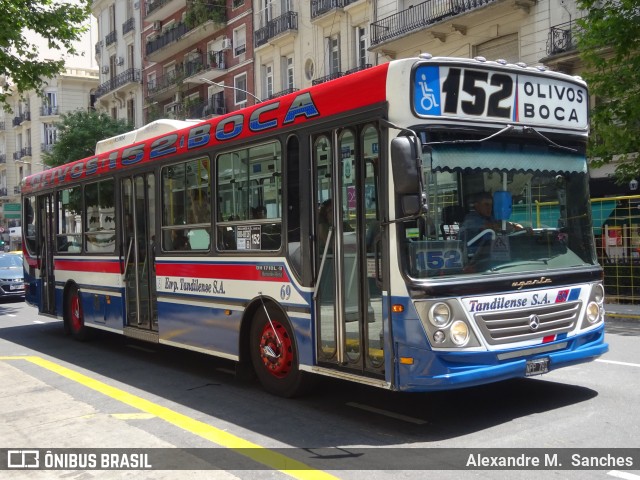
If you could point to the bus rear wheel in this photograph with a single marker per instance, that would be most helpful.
(274, 354)
(74, 318)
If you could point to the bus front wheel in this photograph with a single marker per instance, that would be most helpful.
(274, 354)
(74, 318)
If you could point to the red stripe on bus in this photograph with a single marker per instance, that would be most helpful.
(87, 266)
(264, 273)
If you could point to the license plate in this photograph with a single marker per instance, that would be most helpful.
(537, 367)
(17, 287)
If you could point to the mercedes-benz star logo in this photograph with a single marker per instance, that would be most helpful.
(534, 322)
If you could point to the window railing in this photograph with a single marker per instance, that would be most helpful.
(155, 5)
(286, 22)
(326, 78)
(128, 76)
(46, 110)
(128, 26)
(164, 39)
(111, 37)
(420, 16)
(320, 7)
(283, 92)
(562, 38)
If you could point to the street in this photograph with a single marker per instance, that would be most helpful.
(114, 392)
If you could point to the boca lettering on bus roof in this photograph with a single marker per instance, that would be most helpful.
(261, 119)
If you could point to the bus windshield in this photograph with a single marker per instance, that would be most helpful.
(500, 207)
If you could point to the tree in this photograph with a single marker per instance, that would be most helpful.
(608, 40)
(58, 22)
(78, 133)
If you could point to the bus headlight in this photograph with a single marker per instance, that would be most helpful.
(459, 333)
(439, 336)
(598, 293)
(593, 312)
(440, 314)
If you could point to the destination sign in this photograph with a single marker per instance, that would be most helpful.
(499, 95)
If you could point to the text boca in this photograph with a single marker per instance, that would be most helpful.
(541, 101)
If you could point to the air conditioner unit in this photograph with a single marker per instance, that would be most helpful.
(105, 69)
(119, 61)
(226, 44)
(157, 25)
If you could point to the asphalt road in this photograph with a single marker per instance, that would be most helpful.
(117, 393)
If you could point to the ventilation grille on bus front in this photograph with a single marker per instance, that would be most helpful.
(537, 322)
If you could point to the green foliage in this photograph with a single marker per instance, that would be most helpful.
(201, 11)
(58, 22)
(78, 133)
(608, 41)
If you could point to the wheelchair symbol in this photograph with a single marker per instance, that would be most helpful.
(428, 100)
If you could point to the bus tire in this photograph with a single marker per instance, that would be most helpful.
(276, 363)
(73, 316)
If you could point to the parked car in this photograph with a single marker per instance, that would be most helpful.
(11, 276)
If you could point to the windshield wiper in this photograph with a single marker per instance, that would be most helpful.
(548, 140)
(506, 129)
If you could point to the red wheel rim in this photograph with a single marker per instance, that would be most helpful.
(76, 317)
(277, 357)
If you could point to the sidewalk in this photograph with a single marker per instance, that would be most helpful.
(615, 310)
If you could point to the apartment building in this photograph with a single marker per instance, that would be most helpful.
(29, 130)
(198, 58)
(118, 53)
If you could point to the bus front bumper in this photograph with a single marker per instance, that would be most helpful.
(433, 371)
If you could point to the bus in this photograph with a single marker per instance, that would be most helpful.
(322, 232)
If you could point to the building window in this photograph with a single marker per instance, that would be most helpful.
(361, 46)
(288, 73)
(240, 84)
(505, 47)
(131, 112)
(239, 41)
(268, 80)
(333, 54)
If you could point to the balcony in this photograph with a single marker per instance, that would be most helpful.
(111, 38)
(17, 121)
(25, 116)
(163, 87)
(179, 36)
(2, 126)
(561, 38)
(319, 8)
(276, 28)
(17, 189)
(3, 192)
(46, 147)
(128, 26)
(326, 78)
(333, 76)
(3, 158)
(208, 65)
(282, 93)
(161, 9)
(131, 75)
(420, 16)
(49, 111)
(25, 152)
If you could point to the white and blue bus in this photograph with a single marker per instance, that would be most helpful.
(219, 236)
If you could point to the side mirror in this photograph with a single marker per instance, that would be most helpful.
(406, 175)
(502, 203)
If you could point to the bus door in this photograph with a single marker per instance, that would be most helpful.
(349, 313)
(45, 211)
(138, 251)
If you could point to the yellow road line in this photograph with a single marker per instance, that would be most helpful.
(255, 452)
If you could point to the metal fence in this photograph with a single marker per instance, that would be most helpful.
(616, 228)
